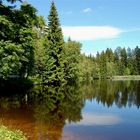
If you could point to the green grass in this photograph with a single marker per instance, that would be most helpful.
(7, 134)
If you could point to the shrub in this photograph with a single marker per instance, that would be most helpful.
(6, 134)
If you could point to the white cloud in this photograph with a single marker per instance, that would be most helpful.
(83, 33)
(87, 10)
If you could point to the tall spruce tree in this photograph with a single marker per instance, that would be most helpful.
(54, 67)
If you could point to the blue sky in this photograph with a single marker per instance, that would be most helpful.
(97, 24)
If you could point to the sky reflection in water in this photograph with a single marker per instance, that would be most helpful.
(111, 112)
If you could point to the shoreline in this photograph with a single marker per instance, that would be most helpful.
(126, 77)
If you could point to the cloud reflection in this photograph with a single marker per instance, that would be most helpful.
(99, 119)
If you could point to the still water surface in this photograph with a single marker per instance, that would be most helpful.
(104, 110)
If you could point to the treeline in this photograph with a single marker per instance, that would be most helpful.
(30, 48)
(109, 63)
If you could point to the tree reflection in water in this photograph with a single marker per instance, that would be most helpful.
(108, 92)
(42, 112)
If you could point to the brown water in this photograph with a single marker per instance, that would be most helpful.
(104, 110)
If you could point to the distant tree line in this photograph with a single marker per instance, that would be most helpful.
(31, 48)
(109, 63)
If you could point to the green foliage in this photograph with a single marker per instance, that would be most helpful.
(103, 65)
(71, 61)
(11, 58)
(6, 27)
(96, 70)
(54, 51)
(110, 55)
(111, 69)
(86, 68)
(17, 36)
(120, 62)
(126, 71)
(26, 40)
(40, 58)
(6, 134)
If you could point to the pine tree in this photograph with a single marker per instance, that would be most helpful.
(130, 61)
(103, 65)
(54, 66)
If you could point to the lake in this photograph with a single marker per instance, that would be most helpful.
(103, 110)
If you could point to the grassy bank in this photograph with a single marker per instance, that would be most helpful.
(127, 77)
(6, 134)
